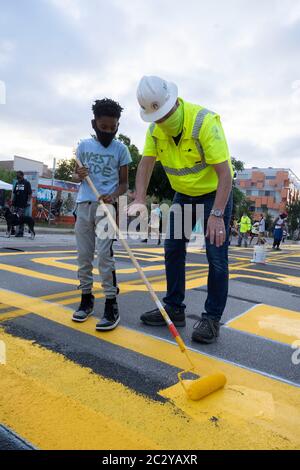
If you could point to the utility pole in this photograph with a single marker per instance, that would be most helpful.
(51, 194)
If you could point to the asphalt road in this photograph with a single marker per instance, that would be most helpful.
(64, 385)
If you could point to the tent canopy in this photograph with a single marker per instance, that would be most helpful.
(6, 186)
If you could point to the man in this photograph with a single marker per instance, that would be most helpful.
(245, 227)
(262, 229)
(279, 227)
(105, 160)
(21, 199)
(190, 143)
(155, 223)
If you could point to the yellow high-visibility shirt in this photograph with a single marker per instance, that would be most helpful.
(188, 165)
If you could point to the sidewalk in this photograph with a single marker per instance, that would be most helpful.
(50, 229)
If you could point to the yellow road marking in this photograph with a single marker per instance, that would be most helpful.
(275, 323)
(278, 277)
(267, 420)
(36, 253)
(55, 262)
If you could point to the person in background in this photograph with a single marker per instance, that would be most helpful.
(21, 199)
(284, 235)
(261, 230)
(244, 229)
(279, 227)
(155, 223)
(254, 232)
(234, 229)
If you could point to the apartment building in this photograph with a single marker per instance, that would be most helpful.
(269, 189)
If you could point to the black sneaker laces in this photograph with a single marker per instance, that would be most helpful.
(206, 325)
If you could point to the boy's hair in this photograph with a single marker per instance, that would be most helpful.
(107, 107)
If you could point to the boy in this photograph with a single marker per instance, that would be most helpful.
(105, 160)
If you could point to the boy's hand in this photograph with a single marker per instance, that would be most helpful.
(108, 199)
(82, 172)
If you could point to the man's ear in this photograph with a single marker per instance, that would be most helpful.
(94, 125)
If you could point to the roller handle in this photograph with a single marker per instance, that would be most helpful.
(158, 303)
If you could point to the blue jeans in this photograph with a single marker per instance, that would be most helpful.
(175, 256)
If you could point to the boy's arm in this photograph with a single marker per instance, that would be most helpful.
(121, 189)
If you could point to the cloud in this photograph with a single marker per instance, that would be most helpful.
(237, 58)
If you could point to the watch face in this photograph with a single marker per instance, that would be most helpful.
(217, 212)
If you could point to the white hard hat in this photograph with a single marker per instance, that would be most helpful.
(156, 98)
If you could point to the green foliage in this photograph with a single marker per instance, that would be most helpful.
(7, 175)
(293, 210)
(269, 221)
(65, 169)
(159, 185)
(238, 165)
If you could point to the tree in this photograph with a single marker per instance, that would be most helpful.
(269, 222)
(238, 165)
(159, 185)
(293, 210)
(65, 169)
(240, 202)
(7, 175)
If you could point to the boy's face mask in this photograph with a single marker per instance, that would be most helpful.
(174, 124)
(105, 138)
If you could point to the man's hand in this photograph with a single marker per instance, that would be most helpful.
(216, 231)
(82, 172)
(137, 205)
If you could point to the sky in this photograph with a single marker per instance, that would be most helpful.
(238, 58)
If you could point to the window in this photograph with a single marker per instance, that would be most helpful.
(270, 177)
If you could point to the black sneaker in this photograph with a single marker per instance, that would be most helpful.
(19, 235)
(155, 318)
(111, 317)
(206, 331)
(85, 309)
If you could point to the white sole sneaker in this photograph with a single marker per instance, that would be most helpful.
(78, 320)
(108, 328)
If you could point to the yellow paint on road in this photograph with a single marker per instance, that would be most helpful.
(37, 275)
(57, 404)
(241, 383)
(270, 276)
(37, 253)
(270, 322)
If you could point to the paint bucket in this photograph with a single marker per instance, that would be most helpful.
(259, 254)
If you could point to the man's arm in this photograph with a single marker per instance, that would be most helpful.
(215, 227)
(143, 177)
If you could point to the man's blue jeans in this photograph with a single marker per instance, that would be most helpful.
(175, 256)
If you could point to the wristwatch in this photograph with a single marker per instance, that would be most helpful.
(217, 212)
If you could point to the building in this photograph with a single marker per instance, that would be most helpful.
(26, 164)
(269, 189)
